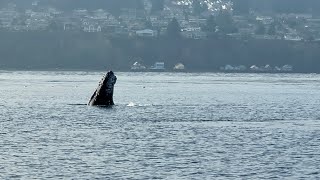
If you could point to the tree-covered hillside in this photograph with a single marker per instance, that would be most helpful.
(277, 6)
(240, 6)
(75, 4)
(49, 50)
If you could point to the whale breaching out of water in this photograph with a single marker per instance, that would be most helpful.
(103, 96)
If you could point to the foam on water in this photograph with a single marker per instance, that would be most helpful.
(131, 104)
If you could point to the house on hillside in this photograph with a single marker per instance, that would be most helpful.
(80, 13)
(146, 33)
(193, 33)
(100, 14)
(71, 26)
(91, 28)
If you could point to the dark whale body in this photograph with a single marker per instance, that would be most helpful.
(103, 96)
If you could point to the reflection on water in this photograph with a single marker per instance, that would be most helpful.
(174, 126)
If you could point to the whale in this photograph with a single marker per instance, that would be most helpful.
(103, 95)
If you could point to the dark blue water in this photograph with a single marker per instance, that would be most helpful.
(164, 126)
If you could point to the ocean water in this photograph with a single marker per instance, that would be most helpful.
(164, 126)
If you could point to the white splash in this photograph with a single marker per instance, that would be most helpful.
(131, 104)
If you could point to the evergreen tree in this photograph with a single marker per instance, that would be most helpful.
(272, 29)
(211, 24)
(260, 30)
(199, 7)
(53, 26)
(174, 29)
(225, 23)
(148, 24)
(139, 4)
(241, 6)
(157, 5)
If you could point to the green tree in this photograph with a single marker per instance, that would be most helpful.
(53, 26)
(174, 29)
(199, 7)
(211, 24)
(241, 6)
(15, 21)
(225, 23)
(272, 29)
(148, 24)
(139, 4)
(261, 29)
(157, 5)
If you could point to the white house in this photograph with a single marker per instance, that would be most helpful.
(146, 33)
(287, 68)
(158, 66)
(194, 32)
(92, 28)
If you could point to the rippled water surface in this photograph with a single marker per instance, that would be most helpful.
(165, 126)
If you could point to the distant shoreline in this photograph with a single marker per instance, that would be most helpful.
(126, 71)
(90, 52)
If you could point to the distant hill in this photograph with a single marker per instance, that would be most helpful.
(278, 6)
(74, 4)
(51, 50)
(240, 6)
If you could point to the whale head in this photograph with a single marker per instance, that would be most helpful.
(103, 96)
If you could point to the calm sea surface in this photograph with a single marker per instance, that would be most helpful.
(164, 126)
